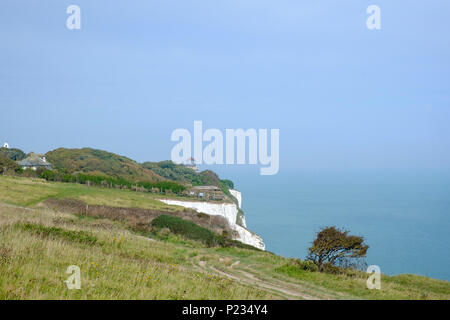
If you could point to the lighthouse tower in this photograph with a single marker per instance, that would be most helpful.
(190, 163)
(6, 145)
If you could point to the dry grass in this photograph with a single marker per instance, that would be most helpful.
(120, 265)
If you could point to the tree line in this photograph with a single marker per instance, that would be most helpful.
(112, 182)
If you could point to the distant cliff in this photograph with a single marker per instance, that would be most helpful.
(86, 164)
(230, 211)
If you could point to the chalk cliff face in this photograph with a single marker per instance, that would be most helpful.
(229, 211)
(248, 237)
(241, 219)
(238, 196)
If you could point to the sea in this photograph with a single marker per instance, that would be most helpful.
(403, 216)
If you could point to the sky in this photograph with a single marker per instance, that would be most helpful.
(343, 96)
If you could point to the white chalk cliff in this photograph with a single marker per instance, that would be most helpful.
(227, 210)
(238, 196)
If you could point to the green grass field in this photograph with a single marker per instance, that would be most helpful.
(37, 245)
(31, 191)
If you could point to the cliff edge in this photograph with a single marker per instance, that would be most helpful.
(230, 211)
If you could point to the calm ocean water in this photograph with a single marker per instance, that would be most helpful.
(404, 217)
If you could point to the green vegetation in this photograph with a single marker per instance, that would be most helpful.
(101, 168)
(163, 186)
(111, 182)
(228, 183)
(296, 264)
(333, 245)
(32, 191)
(183, 174)
(190, 230)
(54, 232)
(98, 162)
(176, 172)
(187, 229)
(38, 243)
(8, 166)
(353, 283)
(121, 265)
(12, 153)
(121, 171)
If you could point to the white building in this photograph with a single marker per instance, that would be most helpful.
(6, 145)
(34, 162)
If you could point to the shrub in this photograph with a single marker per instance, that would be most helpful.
(12, 153)
(54, 232)
(332, 269)
(164, 232)
(228, 183)
(9, 166)
(48, 175)
(30, 173)
(187, 229)
(192, 231)
(296, 268)
(5, 254)
(68, 178)
(62, 175)
(305, 265)
(163, 186)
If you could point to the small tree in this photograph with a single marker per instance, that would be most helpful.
(332, 244)
(9, 166)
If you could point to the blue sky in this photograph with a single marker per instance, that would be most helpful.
(342, 96)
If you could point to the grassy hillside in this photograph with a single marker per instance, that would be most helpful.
(38, 243)
(180, 173)
(100, 162)
(30, 192)
(114, 263)
(175, 172)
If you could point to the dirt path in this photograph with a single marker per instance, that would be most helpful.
(279, 288)
(240, 272)
(250, 279)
